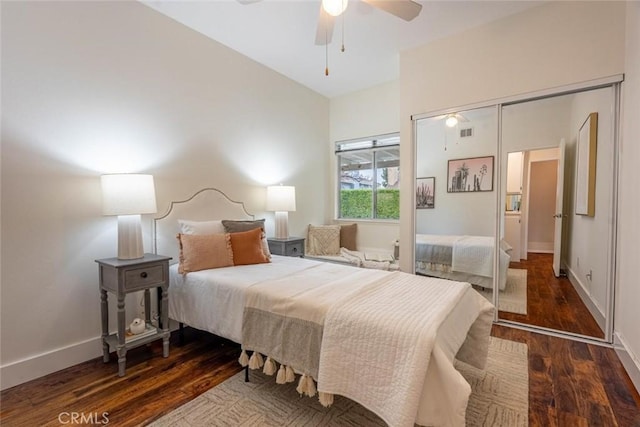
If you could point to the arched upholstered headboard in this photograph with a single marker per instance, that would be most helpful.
(205, 205)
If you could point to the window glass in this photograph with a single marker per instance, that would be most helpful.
(369, 178)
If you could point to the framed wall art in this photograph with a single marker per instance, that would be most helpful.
(470, 175)
(586, 166)
(426, 193)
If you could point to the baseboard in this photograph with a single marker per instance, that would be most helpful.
(540, 247)
(630, 361)
(30, 368)
(591, 305)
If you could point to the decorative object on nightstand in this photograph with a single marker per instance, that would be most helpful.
(121, 277)
(290, 246)
(281, 199)
(128, 196)
(137, 326)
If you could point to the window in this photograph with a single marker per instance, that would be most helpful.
(369, 178)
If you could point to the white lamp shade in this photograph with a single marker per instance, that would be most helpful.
(128, 194)
(281, 198)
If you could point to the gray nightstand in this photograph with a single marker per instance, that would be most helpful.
(291, 246)
(121, 277)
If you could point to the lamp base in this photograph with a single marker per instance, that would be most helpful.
(130, 237)
(282, 224)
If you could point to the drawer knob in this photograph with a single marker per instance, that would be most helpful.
(143, 274)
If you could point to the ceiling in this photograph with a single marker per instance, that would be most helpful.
(280, 34)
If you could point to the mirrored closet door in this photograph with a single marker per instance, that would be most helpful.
(558, 160)
(456, 196)
(529, 187)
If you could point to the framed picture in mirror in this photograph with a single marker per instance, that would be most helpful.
(426, 193)
(470, 175)
(586, 166)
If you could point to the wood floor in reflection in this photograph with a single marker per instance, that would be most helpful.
(552, 302)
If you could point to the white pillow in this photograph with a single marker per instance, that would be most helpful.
(201, 227)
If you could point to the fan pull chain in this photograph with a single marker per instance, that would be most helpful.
(326, 51)
(342, 49)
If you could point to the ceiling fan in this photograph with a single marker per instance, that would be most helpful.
(330, 9)
(452, 119)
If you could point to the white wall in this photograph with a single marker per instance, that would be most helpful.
(369, 112)
(97, 87)
(628, 295)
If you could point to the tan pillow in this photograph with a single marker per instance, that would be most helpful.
(234, 226)
(323, 240)
(204, 251)
(348, 236)
(247, 247)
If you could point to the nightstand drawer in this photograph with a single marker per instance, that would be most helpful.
(143, 277)
(289, 246)
(294, 249)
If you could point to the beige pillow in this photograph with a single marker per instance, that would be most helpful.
(235, 226)
(323, 240)
(204, 251)
(348, 236)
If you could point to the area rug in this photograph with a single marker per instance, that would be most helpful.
(499, 398)
(514, 296)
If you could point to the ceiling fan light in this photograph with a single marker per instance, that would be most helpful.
(334, 7)
(451, 121)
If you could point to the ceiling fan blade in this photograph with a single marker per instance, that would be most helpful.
(405, 9)
(461, 117)
(324, 32)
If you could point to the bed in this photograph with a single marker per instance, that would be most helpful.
(461, 258)
(384, 339)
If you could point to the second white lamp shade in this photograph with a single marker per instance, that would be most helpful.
(281, 199)
(128, 196)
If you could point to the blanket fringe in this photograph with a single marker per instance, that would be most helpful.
(244, 359)
(290, 376)
(281, 378)
(302, 384)
(326, 399)
(256, 361)
(311, 387)
(269, 366)
(306, 386)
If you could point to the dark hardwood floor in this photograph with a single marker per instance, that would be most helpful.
(570, 383)
(552, 302)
